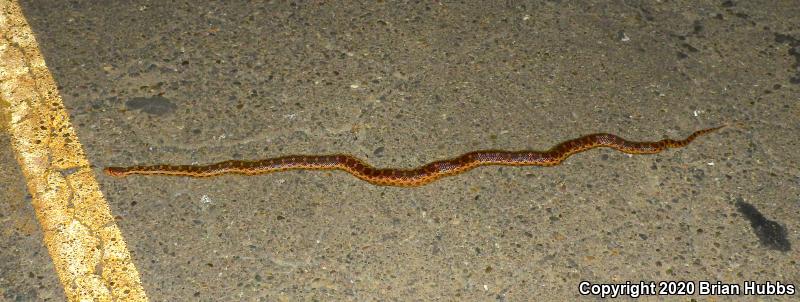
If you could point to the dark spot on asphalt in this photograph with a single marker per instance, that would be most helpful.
(68, 171)
(771, 234)
(621, 35)
(697, 27)
(794, 51)
(742, 15)
(378, 152)
(156, 105)
(698, 174)
(300, 135)
(646, 14)
(690, 48)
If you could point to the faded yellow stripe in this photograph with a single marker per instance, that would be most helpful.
(88, 251)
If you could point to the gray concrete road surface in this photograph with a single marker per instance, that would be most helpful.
(403, 84)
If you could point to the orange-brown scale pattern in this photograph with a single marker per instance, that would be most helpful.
(416, 176)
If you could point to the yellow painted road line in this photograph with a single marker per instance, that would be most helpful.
(87, 248)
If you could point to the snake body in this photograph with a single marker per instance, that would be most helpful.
(417, 176)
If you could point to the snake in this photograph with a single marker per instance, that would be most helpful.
(418, 176)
